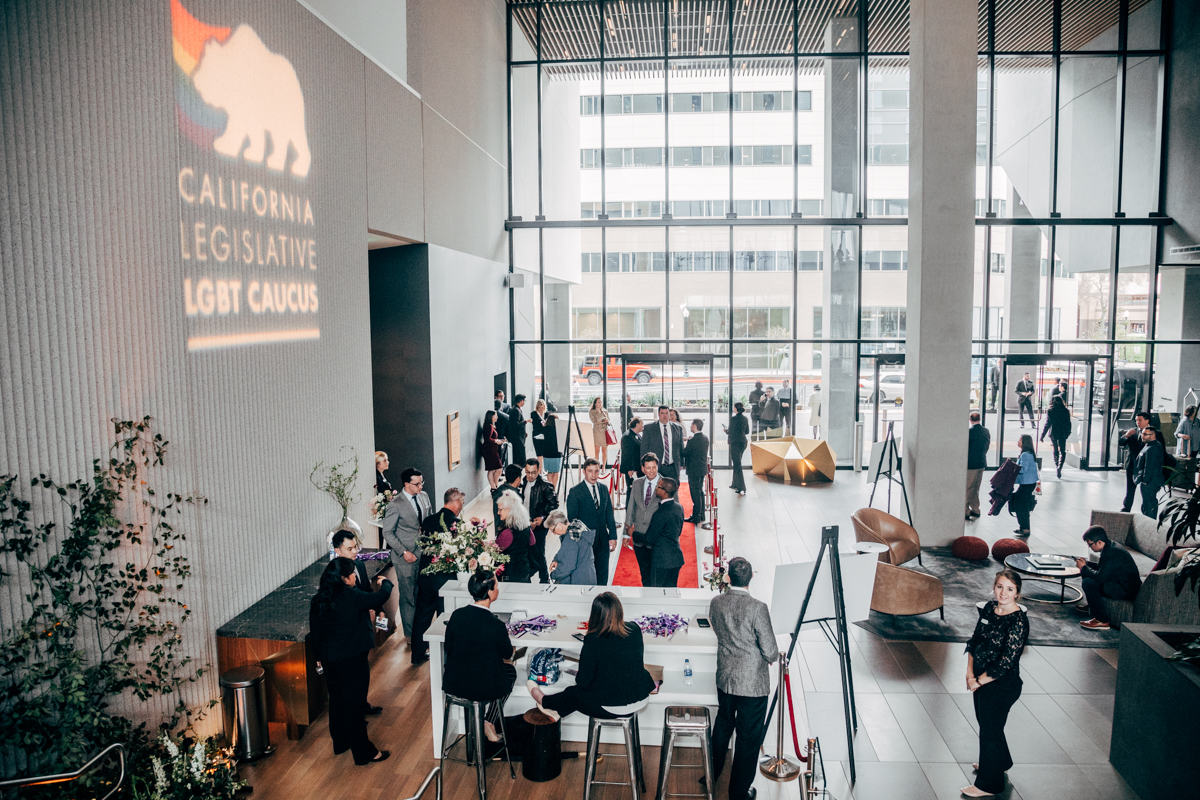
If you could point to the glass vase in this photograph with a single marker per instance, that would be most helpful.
(346, 524)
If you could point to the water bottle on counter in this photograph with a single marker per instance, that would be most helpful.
(687, 672)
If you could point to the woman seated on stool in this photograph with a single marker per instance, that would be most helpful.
(478, 652)
(575, 563)
(514, 537)
(612, 679)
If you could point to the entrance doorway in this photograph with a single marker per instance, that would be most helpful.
(683, 381)
(1041, 377)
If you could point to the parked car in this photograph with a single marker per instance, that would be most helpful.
(590, 371)
(891, 388)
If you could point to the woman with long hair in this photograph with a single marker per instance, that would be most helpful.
(491, 450)
(1058, 425)
(514, 537)
(478, 651)
(739, 433)
(600, 425)
(612, 679)
(545, 440)
(994, 678)
(341, 633)
(1022, 501)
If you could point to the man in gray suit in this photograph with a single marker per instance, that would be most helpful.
(401, 527)
(640, 507)
(656, 435)
(746, 644)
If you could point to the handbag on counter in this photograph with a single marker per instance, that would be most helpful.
(545, 666)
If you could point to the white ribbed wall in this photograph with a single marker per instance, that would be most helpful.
(92, 321)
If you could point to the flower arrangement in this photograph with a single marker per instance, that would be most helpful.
(462, 547)
(379, 504)
(337, 480)
(717, 578)
(198, 775)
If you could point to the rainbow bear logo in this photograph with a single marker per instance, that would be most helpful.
(232, 94)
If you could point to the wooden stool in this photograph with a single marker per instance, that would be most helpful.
(543, 760)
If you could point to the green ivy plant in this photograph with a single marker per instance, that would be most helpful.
(1182, 518)
(101, 615)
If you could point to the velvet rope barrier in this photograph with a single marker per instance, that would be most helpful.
(787, 684)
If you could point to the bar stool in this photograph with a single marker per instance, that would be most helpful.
(628, 724)
(473, 722)
(685, 721)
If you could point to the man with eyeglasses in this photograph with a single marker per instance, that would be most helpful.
(401, 529)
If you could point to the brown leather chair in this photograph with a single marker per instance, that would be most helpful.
(873, 525)
(903, 592)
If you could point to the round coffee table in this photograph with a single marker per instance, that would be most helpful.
(1020, 562)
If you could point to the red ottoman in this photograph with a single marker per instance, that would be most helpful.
(969, 548)
(1004, 548)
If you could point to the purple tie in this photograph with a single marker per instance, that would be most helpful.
(648, 488)
(666, 444)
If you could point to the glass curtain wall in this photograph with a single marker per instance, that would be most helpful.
(731, 178)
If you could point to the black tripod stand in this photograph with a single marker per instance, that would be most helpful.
(568, 448)
(890, 455)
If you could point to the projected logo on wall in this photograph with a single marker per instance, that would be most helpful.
(247, 232)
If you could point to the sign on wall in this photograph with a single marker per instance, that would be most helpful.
(453, 440)
(248, 234)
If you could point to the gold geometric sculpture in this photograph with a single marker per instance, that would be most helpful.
(794, 459)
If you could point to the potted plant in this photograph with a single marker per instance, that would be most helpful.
(180, 774)
(338, 481)
(1182, 517)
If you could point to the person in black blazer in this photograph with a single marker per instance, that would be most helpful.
(382, 484)
(341, 635)
(1025, 391)
(612, 679)
(631, 456)
(345, 545)
(515, 433)
(542, 500)
(1058, 425)
(429, 587)
(589, 503)
(662, 537)
(478, 651)
(979, 441)
(739, 432)
(656, 434)
(1116, 577)
(695, 460)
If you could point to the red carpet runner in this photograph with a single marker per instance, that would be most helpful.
(627, 573)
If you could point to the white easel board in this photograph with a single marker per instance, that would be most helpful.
(791, 581)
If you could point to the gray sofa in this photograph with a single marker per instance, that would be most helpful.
(1156, 602)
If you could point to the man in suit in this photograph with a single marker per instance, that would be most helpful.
(994, 382)
(755, 409)
(746, 644)
(401, 529)
(639, 510)
(627, 413)
(785, 406)
(1133, 446)
(429, 599)
(768, 410)
(695, 460)
(665, 439)
(345, 545)
(589, 503)
(979, 439)
(1115, 577)
(516, 431)
(1025, 389)
(540, 500)
(503, 410)
(662, 536)
(631, 456)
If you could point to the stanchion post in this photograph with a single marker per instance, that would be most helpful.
(780, 767)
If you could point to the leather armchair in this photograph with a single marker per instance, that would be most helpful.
(873, 525)
(900, 591)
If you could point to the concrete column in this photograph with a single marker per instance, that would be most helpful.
(1022, 292)
(1177, 367)
(842, 112)
(941, 250)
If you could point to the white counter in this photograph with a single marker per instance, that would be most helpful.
(569, 606)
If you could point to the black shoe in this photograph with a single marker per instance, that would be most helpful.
(374, 711)
(753, 793)
(382, 755)
(419, 660)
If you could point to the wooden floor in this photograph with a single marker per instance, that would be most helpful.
(916, 737)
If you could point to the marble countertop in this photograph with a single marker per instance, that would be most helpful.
(283, 614)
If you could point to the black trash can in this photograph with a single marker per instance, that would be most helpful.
(244, 700)
(543, 758)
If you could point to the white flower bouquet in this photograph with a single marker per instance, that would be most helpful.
(463, 547)
(379, 504)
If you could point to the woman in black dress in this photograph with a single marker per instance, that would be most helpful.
(491, 449)
(513, 537)
(612, 679)
(478, 652)
(545, 441)
(1058, 425)
(342, 634)
(994, 678)
(381, 464)
(738, 430)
